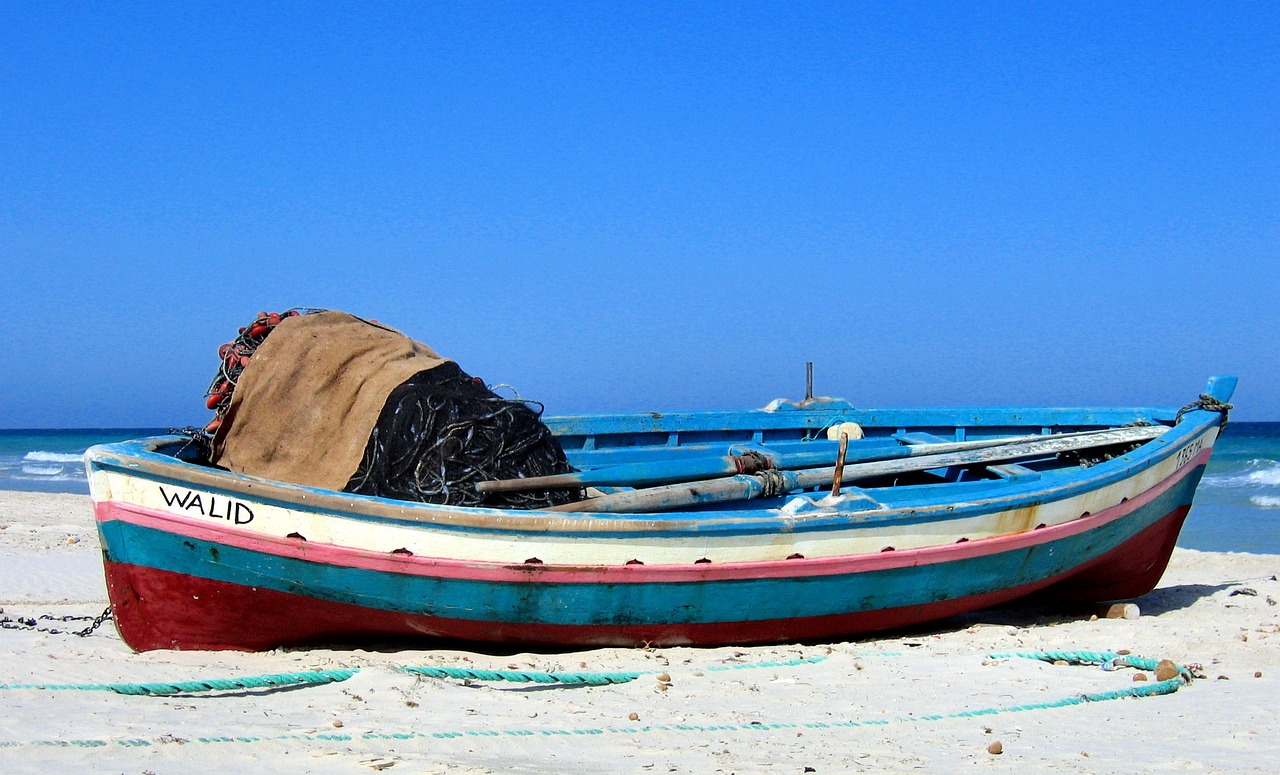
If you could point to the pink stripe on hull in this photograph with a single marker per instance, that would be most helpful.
(330, 554)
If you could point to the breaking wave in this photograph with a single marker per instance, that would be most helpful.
(1257, 473)
(41, 467)
(1266, 501)
(40, 456)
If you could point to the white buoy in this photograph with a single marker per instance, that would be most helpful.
(849, 429)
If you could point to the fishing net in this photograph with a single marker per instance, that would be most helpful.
(441, 432)
(343, 403)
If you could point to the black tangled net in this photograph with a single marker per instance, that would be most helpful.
(442, 431)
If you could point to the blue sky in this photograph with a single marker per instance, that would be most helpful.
(654, 206)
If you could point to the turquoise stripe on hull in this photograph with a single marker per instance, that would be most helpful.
(639, 602)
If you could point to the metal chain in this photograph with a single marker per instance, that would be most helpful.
(30, 623)
(97, 622)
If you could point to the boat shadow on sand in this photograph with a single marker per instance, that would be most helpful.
(1024, 614)
(1021, 614)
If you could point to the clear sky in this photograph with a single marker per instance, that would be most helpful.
(653, 206)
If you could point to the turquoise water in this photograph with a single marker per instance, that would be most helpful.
(1237, 507)
(53, 460)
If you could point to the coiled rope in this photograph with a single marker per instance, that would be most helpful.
(1209, 404)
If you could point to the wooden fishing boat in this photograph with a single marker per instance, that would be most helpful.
(939, 512)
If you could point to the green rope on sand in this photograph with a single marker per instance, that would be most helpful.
(1106, 659)
(320, 677)
(160, 689)
(524, 676)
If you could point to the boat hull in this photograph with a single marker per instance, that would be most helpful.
(203, 589)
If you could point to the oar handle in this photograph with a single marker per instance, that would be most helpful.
(639, 474)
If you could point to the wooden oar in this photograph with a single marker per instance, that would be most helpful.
(769, 483)
(698, 468)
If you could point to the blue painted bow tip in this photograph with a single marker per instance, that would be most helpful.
(1221, 387)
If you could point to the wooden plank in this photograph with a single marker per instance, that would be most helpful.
(1004, 471)
(1013, 471)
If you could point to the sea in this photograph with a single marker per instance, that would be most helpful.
(1237, 508)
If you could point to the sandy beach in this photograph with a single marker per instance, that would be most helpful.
(926, 701)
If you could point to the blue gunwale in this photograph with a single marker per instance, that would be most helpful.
(824, 413)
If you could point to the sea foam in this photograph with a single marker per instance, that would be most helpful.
(1260, 473)
(40, 456)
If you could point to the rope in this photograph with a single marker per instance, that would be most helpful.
(1209, 404)
(1108, 661)
(1073, 657)
(320, 677)
(276, 681)
(771, 483)
(523, 676)
(749, 461)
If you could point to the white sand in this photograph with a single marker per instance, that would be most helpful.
(722, 712)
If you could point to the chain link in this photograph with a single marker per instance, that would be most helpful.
(32, 623)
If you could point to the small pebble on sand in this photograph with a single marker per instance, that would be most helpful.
(1123, 611)
(996, 748)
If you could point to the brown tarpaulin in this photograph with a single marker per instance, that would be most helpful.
(304, 407)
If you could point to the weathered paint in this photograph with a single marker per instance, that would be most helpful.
(246, 602)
